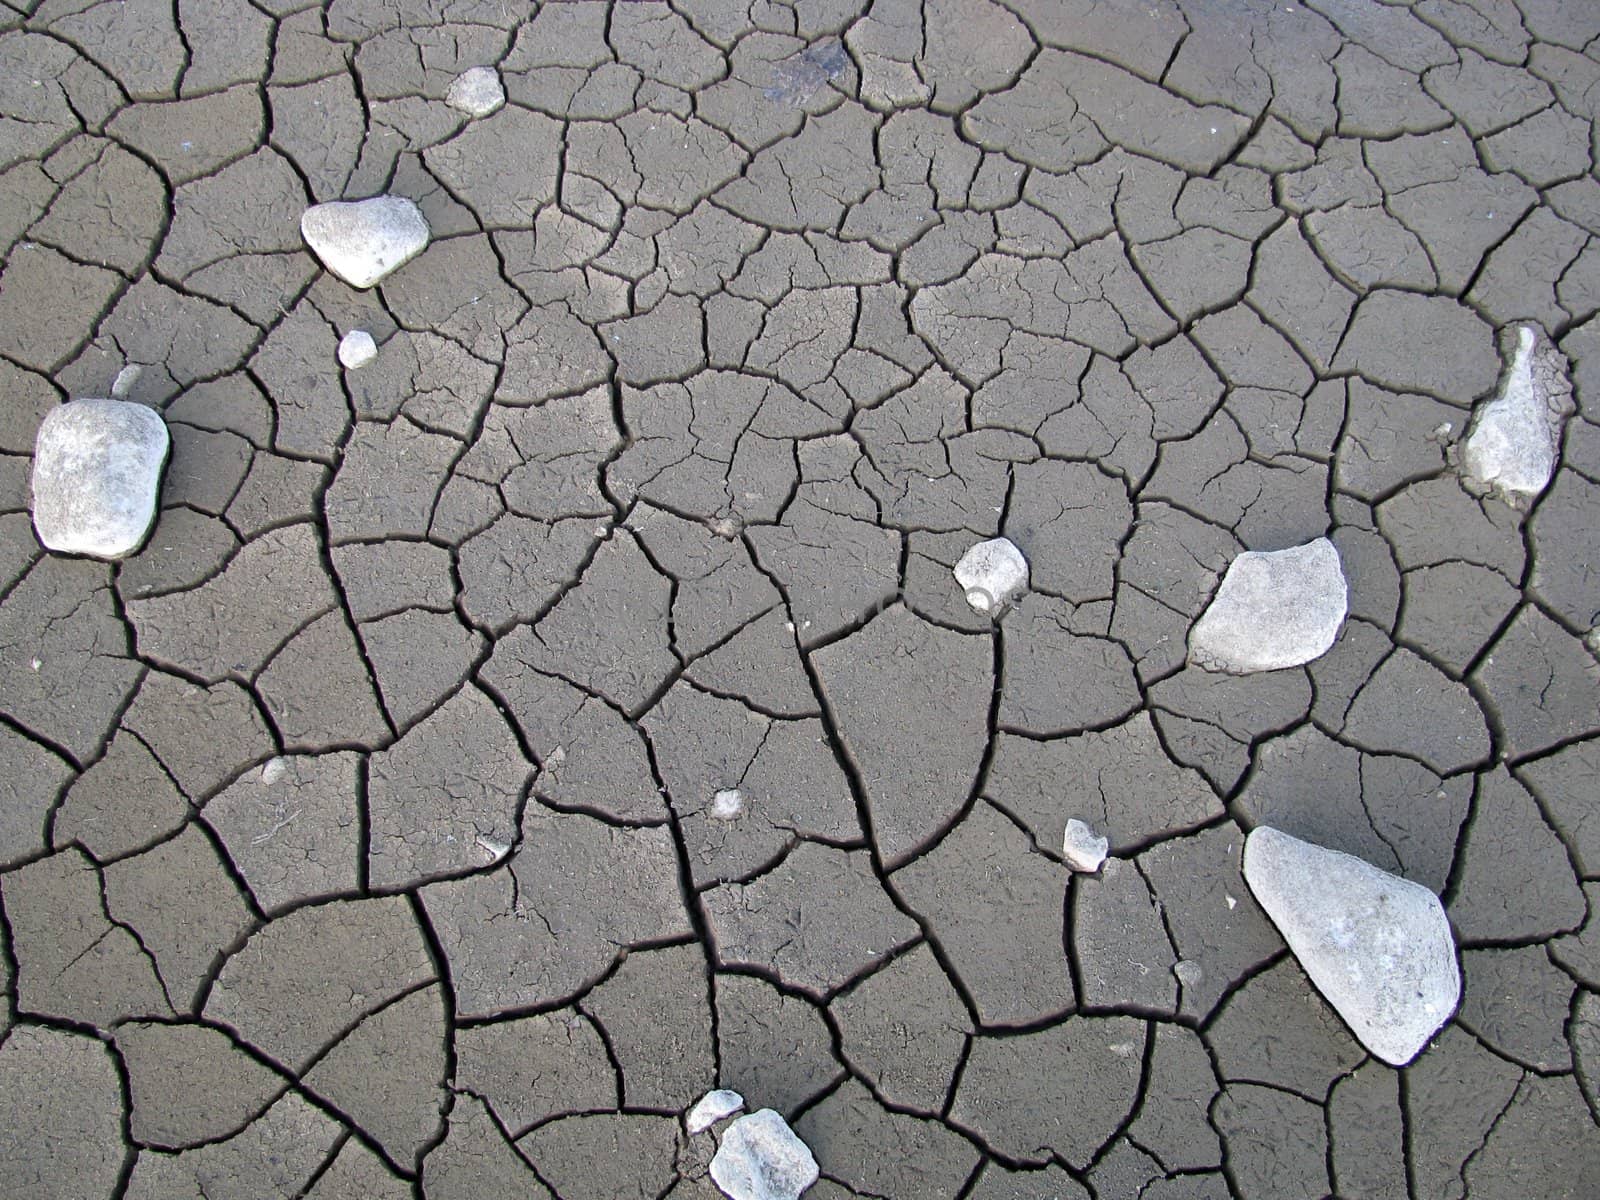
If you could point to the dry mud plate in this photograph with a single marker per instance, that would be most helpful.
(556, 702)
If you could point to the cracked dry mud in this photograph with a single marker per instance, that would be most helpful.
(572, 710)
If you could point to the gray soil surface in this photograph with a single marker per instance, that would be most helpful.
(496, 747)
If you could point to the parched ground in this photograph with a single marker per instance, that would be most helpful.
(361, 835)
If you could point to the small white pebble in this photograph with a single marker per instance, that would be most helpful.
(272, 770)
(727, 805)
(1084, 849)
(711, 1108)
(357, 349)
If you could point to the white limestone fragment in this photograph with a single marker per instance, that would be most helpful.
(126, 378)
(476, 92)
(761, 1159)
(711, 1108)
(1275, 609)
(357, 349)
(727, 805)
(1376, 946)
(96, 473)
(1515, 438)
(364, 240)
(1188, 973)
(1084, 849)
(993, 574)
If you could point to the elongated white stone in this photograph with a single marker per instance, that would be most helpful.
(364, 240)
(761, 1159)
(1515, 438)
(711, 1108)
(1275, 609)
(1376, 946)
(993, 574)
(96, 472)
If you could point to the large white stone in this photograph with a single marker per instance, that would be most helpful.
(476, 92)
(761, 1159)
(96, 473)
(364, 240)
(1275, 609)
(1376, 946)
(993, 574)
(1515, 438)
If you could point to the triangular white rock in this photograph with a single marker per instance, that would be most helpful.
(364, 240)
(1516, 437)
(1275, 609)
(711, 1108)
(1376, 946)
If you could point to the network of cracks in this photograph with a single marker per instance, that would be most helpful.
(499, 745)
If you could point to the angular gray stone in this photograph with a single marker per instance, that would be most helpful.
(761, 1159)
(1275, 609)
(1515, 438)
(1378, 947)
(363, 241)
(96, 471)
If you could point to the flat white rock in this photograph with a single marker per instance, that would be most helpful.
(362, 241)
(357, 349)
(476, 92)
(761, 1159)
(1084, 849)
(1275, 609)
(711, 1108)
(993, 574)
(1376, 946)
(96, 473)
(1515, 438)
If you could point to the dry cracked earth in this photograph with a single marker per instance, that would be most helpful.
(358, 835)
